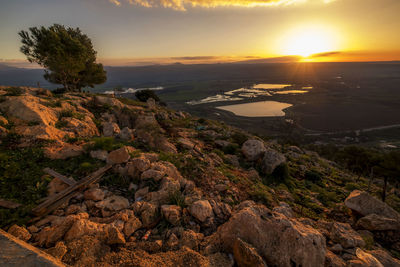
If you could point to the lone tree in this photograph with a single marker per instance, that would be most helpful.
(66, 53)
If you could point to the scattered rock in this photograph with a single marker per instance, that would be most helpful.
(132, 225)
(114, 236)
(171, 213)
(279, 240)
(246, 256)
(384, 258)
(374, 222)
(99, 154)
(126, 134)
(19, 232)
(63, 151)
(271, 160)
(343, 234)
(95, 194)
(331, 260)
(112, 204)
(201, 210)
(253, 149)
(120, 155)
(110, 129)
(58, 251)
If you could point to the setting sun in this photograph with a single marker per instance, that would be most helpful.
(307, 41)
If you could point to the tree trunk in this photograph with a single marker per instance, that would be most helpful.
(385, 180)
(371, 179)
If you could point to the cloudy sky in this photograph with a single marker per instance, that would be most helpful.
(131, 32)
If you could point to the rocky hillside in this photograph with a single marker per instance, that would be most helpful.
(180, 191)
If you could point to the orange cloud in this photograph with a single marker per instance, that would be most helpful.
(183, 4)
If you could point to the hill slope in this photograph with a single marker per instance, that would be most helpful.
(181, 191)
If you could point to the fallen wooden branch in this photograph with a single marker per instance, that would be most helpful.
(53, 202)
(8, 204)
(63, 178)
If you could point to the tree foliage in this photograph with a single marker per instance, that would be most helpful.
(144, 95)
(66, 53)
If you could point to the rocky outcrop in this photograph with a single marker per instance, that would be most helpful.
(253, 149)
(365, 204)
(279, 240)
(28, 109)
(246, 256)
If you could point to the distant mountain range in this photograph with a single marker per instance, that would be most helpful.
(252, 70)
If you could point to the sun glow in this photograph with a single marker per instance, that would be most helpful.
(308, 41)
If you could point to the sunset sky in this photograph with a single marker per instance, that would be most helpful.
(135, 32)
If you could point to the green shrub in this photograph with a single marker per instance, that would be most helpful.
(313, 176)
(144, 95)
(230, 149)
(105, 143)
(61, 124)
(239, 138)
(13, 91)
(177, 198)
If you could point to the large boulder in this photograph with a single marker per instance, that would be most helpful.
(365, 204)
(253, 149)
(82, 128)
(279, 240)
(373, 222)
(28, 108)
(43, 132)
(271, 160)
(108, 101)
(385, 258)
(63, 151)
(343, 234)
(120, 155)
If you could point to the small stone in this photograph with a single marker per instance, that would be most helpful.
(114, 236)
(95, 194)
(201, 210)
(19, 232)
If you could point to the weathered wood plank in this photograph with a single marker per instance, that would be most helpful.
(63, 178)
(8, 204)
(60, 198)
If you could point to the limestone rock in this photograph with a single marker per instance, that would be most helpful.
(110, 129)
(63, 151)
(201, 210)
(83, 128)
(114, 236)
(83, 227)
(99, 154)
(120, 155)
(331, 260)
(384, 258)
(374, 222)
(246, 256)
(126, 134)
(253, 149)
(112, 204)
(19, 232)
(365, 204)
(279, 240)
(343, 234)
(171, 213)
(28, 108)
(271, 160)
(109, 101)
(95, 194)
(43, 132)
(132, 225)
(367, 259)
